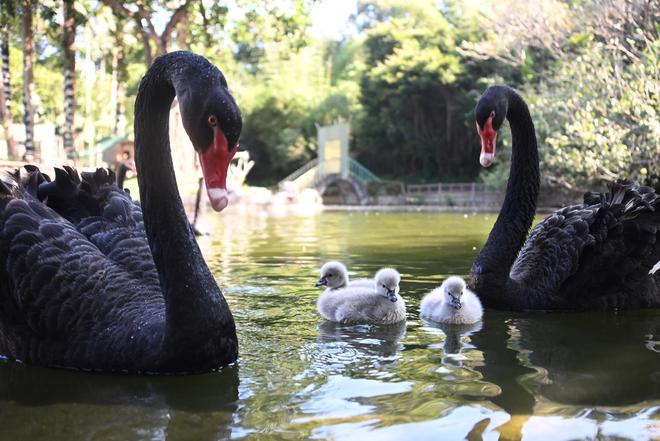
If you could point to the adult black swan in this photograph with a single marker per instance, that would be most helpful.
(89, 280)
(595, 255)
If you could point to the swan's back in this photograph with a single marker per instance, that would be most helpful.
(431, 302)
(67, 296)
(364, 283)
(105, 214)
(359, 304)
(596, 255)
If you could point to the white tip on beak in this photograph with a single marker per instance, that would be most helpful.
(486, 159)
(219, 198)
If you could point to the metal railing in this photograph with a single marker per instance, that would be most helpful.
(312, 173)
(360, 172)
(301, 171)
(459, 194)
(298, 174)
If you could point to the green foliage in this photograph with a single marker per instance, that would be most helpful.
(410, 93)
(268, 25)
(289, 94)
(599, 117)
(48, 79)
(407, 82)
(275, 140)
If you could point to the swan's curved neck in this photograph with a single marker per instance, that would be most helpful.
(193, 302)
(490, 271)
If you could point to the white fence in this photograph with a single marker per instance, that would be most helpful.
(467, 194)
(461, 195)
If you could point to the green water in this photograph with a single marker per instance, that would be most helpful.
(516, 376)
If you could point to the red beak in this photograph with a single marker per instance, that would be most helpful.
(488, 138)
(215, 163)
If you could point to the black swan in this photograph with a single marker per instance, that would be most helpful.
(89, 279)
(592, 256)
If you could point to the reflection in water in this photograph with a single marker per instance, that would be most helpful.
(521, 376)
(501, 365)
(455, 335)
(598, 359)
(343, 397)
(381, 341)
(556, 364)
(133, 406)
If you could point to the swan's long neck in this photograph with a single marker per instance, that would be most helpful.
(490, 272)
(195, 307)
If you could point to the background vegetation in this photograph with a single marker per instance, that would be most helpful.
(406, 74)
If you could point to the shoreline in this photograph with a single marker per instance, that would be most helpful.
(423, 209)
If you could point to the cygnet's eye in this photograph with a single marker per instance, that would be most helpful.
(329, 275)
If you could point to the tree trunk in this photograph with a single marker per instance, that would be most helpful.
(69, 52)
(5, 96)
(114, 88)
(182, 32)
(29, 6)
(146, 43)
(89, 132)
(119, 77)
(205, 23)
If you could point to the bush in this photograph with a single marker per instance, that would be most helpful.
(385, 188)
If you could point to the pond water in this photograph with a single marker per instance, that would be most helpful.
(515, 376)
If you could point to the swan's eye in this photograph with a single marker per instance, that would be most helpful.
(213, 121)
(492, 114)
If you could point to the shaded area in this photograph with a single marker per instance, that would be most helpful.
(42, 403)
(37, 386)
(595, 359)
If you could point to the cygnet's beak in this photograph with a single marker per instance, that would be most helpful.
(456, 302)
(321, 282)
(391, 295)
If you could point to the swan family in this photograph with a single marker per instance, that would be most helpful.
(91, 280)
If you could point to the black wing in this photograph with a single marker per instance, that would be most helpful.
(596, 255)
(61, 297)
(105, 214)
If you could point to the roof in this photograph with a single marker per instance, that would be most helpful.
(103, 145)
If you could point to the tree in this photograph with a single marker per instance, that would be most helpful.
(597, 117)
(69, 56)
(28, 9)
(410, 92)
(522, 33)
(142, 14)
(279, 112)
(267, 27)
(7, 12)
(119, 76)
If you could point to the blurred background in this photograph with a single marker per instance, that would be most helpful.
(405, 74)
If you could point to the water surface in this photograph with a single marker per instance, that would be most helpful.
(514, 376)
